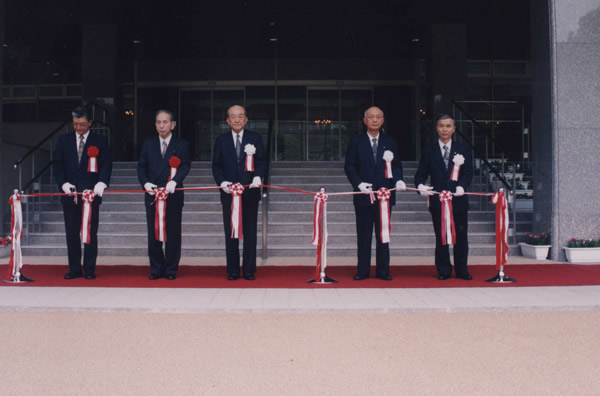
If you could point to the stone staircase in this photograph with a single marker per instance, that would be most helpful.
(122, 230)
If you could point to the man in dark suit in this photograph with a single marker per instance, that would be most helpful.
(154, 169)
(436, 162)
(366, 169)
(73, 173)
(229, 167)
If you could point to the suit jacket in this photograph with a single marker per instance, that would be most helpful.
(68, 169)
(432, 165)
(153, 168)
(361, 167)
(226, 166)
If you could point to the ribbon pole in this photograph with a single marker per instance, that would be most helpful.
(499, 199)
(15, 264)
(320, 238)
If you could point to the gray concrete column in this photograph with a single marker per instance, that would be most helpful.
(575, 83)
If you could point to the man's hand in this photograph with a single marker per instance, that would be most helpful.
(256, 182)
(99, 189)
(400, 185)
(225, 186)
(365, 188)
(459, 191)
(149, 187)
(68, 188)
(171, 186)
(425, 190)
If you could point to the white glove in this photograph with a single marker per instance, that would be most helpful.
(68, 188)
(149, 187)
(255, 182)
(225, 186)
(365, 188)
(99, 189)
(171, 186)
(400, 185)
(459, 191)
(425, 190)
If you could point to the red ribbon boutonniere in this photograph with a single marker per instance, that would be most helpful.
(174, 163)
(93, 162)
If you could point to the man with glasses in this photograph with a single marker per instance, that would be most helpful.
(239, 157)
(365, 166)
(82, 161)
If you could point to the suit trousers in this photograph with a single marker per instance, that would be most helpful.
(72, 215)
(461, 249)
(167, 262)
(249, 218)
(366, 218)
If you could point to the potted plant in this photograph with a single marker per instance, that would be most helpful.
(583, 251)
(536, 246)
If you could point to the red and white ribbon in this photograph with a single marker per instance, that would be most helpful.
(383, 194)
(174, 163)
(320, 232)
(160, 214)
(86, 215)
(388, 157)
(447, 219)
(458, 161)
(92, 161)
(236, 211)
(250, 150)
(499, 199)
(16, 232)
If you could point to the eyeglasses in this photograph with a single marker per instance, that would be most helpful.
(374, 117)
(80, 124)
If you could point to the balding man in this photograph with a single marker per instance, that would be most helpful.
(231, 164)
(366, 169)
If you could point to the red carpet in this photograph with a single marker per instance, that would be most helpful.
(296, 276)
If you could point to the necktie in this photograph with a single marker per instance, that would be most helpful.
(238, 146)
(164, 149)
(446, 155)
(375, 149)
(80, 148)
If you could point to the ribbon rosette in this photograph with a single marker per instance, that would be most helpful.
(499, 199)
(388, 156)
(383, 195)
(174, 163)
(250, 150)
(458, 160)
(16, 232)
(160, 216)
(320, 230)
(236, 211)
(447, 219)
(86, 215)
(93, 162)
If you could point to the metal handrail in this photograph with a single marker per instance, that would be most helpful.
(265, 194)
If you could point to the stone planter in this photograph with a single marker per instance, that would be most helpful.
(538, 252)
(583, 255)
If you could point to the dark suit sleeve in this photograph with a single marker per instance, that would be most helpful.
(259, 159)
(142, 166)
(466, 170)
(104, 161)
(217, 162)
(58, 163)
(397, 170)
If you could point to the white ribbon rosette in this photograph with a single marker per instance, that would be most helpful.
(388, 156)
(250, 150)
(458, 161)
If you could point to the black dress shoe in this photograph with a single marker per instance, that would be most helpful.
(360, 277)
(465, 277)
(90, 276)
(384, 277)
(73, 276)
(171, 277)
(249, 277)
(23, 278)
(232, 277)
(443, 277)
(154, 277)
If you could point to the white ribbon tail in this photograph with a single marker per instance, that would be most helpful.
(16, 258)
(384, 213)
(235, 216)
(86, 216)
(162, 232)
